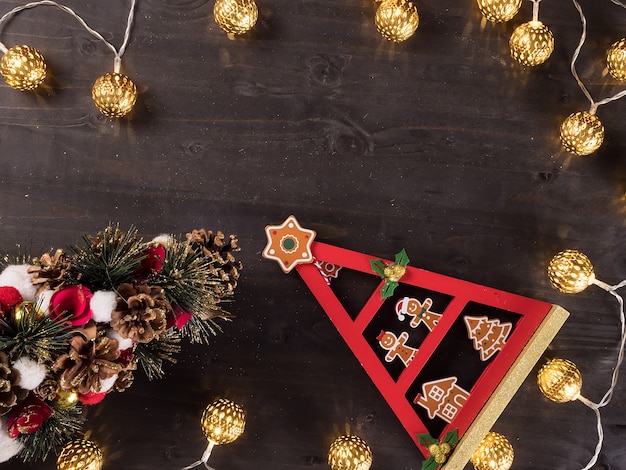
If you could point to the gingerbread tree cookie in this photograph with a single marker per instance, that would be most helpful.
(489, 336)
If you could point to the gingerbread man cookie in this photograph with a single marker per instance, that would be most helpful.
(420, 311)
(396, 346)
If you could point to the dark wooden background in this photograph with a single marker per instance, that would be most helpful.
(442, 145)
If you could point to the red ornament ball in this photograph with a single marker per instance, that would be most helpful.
(9, 298)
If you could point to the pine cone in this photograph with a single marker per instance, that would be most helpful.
(212, 246)
(48, 388)
(124, 380)
(10, 392)
(88, 362)
(49, 272)
(140, 313)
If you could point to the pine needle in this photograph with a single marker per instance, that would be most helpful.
(63, 426)
(28, 333)
(201, 331)
(20, 258)
(187, 277)
(108, 259)
(151, 356)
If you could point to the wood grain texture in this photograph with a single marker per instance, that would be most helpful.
(441, 145)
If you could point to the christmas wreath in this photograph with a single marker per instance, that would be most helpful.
(76, 325)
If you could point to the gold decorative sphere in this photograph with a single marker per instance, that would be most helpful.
(582, 133)
(560, 380)
(223, 421)
(349, 453)
(616, 60)
(114, 94)
(499, 11)
(397, 20)
(570, 271)
(235, 16)
(439, 451)
(531, 43)
(80, 454)
(394, 272)
(494, 452)
(23, 68)
(66, 399)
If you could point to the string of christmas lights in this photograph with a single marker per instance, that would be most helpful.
(570, 272)
(582, 132)
(532, 43)
(24, 68)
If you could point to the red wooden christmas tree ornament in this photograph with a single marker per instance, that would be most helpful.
(446, 354)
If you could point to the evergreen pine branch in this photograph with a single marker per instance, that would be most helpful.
(20, 258)
(201, 331)
(63, 426)
(187, 277)
(108, 259)
(35, 336)
(151, 356)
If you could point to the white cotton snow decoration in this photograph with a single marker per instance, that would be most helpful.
(15, 275)
(124, 343)
(43, 301)
(31, 372)
(106, 384)
(102, 304)
(163, 239)
(8, 447)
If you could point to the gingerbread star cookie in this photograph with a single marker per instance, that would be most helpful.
(289, 244)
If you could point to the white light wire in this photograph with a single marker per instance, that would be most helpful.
(583, 36)
(204, 459)
(596, 409)
(536, 9)
(620, 357)
(117, 61)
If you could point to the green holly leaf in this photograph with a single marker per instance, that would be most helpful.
(452, 437)
(378, 267)
(402, 258)
(429, 464)
(388, 288)
(426, 439)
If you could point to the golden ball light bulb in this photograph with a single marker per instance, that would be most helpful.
(499, 11)
(80, 454)
(349, 453)
(23, 68)
(616, 60)
(560, 380)
(114, 94)
(582, 133)
(570, 271)
(531, 43)
(494, 452)
(397, 20)
(235, 16)
(223, 421)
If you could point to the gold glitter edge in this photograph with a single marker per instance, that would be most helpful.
(511, 382)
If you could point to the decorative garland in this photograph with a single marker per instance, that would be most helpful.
(75, 326)
(24, 68)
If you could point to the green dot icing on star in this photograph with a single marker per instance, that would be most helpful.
(289, 244)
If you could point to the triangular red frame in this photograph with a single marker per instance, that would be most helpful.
(534, 315)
